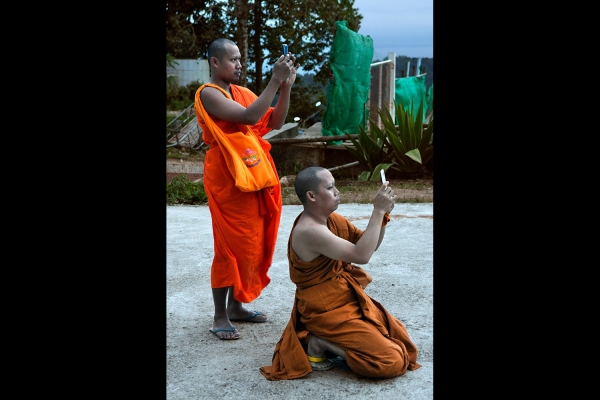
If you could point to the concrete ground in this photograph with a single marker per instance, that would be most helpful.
(200, 366)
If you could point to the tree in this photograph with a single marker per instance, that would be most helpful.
(191, 26)
(307, 27)
(259, 28)
(241, 35)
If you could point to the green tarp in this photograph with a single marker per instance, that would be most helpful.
(430, 98)
(348, 90)
(411, 91)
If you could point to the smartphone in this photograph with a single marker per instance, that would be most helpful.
(285, 49)
(382, 175)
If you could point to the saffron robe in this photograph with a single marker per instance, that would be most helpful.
(244, 224)
(331, 303)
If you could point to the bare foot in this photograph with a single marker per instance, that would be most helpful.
(317, 347)
(242, 314)
(316, 354)
(314, 347)
(224, 330)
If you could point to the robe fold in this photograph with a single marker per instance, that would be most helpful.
(244, 224)
(331, 303)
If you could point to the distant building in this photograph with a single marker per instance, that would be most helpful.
(189, 70)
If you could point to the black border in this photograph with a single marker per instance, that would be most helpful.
(117, 191)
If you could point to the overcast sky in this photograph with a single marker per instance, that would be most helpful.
(404, 27)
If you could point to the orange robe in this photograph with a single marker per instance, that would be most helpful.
(244, 224)
(331, 303)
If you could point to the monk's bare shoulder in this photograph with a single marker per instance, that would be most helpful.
(211, 94)
(217, 104)
(306, 236)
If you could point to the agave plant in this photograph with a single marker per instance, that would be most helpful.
(405, 147)
(371, 150)
(411, 144)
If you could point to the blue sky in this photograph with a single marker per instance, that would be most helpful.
(404, 27)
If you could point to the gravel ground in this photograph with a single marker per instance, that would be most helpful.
(199, 366)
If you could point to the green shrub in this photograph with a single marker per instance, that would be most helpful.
(411, 143)
(179, 104)
(182, 191)
(405, 148)
(180, 97)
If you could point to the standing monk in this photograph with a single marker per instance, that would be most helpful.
(332, 315)
(244, 224)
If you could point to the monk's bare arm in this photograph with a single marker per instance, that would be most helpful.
(283, 103)
(381, 236)
(311, 240)
(217, 105)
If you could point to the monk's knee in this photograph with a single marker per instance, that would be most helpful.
(395, 368)
(383, 367)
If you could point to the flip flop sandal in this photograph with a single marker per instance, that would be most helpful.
(250, 318)
(232, 330)
(320, 363)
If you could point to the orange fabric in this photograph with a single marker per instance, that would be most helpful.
(386, 219)
(244, 150)
(244, 224)
(331, 303)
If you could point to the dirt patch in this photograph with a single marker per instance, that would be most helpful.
(199, 366)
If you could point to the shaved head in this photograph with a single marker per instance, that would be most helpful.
(217, 48)
(307, 180)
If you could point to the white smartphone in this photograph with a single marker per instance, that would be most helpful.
(382, 175)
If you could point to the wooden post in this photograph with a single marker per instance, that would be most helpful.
(352, 164)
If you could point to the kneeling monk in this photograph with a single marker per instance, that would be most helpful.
(331, 311)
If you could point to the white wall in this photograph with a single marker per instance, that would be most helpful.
(190, 70)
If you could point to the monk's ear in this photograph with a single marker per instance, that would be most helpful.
(214, 61)
(310, 196)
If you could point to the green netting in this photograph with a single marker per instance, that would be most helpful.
(430, 98)
(411, 91)
(348, 90)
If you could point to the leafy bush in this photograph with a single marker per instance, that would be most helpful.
(411, 144)
(180, 97)
(406, 148)
(182, 191)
